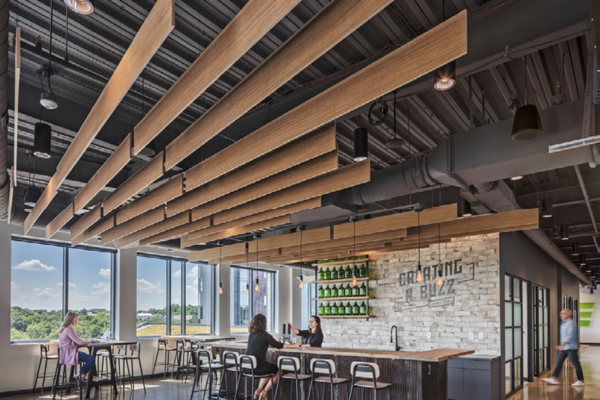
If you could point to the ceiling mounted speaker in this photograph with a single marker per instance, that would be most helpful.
(444, 78)
(547, 207)
(42, 140)
(32, 195)
(527, 124)
(575, 248)
(85, 7)
(361, 144)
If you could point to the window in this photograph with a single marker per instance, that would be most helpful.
(513, 333)
(541, 334)
(246, 301)
(40, 298)
(174, 297)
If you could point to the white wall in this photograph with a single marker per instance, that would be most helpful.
(590, 334)
(18, 362)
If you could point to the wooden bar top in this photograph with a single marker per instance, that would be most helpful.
(437, 355)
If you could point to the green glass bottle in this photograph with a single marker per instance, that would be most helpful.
(328, 309)
(363, 309)
(363, 290)
(356, 271)
(334, 309)
(355, 291)
(334, 291)
(355, 309)
(348, 272)
(348, 309)
(341, 309)
(321, 309)
(334, 273)
(348, 291)
(327, 274)
(341, 291)
(327, 292)
(321, 275)
(321, 292)
(363, 271)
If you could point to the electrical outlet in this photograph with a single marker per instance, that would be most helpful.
(429, 335)
(470, 335)
(480, 335)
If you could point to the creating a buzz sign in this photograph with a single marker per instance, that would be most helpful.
(428, 293)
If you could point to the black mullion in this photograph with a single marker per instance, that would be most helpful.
(65, 281)
(168, 309)
(183, 299)
(113, 283)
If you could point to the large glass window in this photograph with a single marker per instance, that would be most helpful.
(40, 294)
(541, 324)
(174, 297)
(246, 301)
(513, 334)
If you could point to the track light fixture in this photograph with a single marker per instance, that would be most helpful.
(444, 78)
(42, 140)
(547, 208)
(361, 144)
(564, 232)
(85, 7)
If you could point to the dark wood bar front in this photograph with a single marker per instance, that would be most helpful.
(413, 375)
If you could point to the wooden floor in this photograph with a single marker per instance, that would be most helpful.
(590, 362)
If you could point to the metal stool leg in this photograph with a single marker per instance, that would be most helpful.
(331, 388)
(44, 379)
(351, 391)
(142, 373)
(37, 374)
(362, 393)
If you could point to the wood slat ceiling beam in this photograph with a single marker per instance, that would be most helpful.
(155, 229)
(251, 24)
(96, 229)
(86, 221)
(154, 30)
(134, 225)
(440, 45)
(176, 232)
(331, 25)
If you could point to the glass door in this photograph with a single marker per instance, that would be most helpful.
(541, 322)
(513, 334)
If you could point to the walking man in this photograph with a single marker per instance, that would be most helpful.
(568, 347)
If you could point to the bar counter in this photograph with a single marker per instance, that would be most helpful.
(414, 375)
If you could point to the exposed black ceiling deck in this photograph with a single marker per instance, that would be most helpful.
(97, 43)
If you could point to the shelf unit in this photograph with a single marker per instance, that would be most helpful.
(345, 280)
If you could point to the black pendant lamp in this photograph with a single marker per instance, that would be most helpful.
(527, 124)
(575, 248)
(257, 287)
(85, 7)
(301, 228)
(582, 260)
(220, 244)
(419, 273)
(32, 195)
(361, 144)
(396, 142)
(564, 232)
(466, 209)
(444, 78)
(547, 207)
(440, 281)
(42, 140)
(247, 264)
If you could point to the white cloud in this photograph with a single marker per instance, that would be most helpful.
(103, 288)
(34, 265)
(193, 273)
(45, 294)
(146, 287)
(15, 292)
(71, 284)
(177, 273)
(104, 273)
(193, 289)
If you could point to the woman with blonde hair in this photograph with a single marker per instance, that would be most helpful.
(69, 344)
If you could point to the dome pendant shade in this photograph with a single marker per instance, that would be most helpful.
(444, 77)
(527, 124)
(361, 144)
(394, 143)
(32, 195)
(547, 207)
(42, 140)
(85, 7)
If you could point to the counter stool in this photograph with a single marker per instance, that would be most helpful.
(62, 381)
(325, 367)
(231, 363)
(204, 363)
(103, 360)
(168, 345)
(121, 366)
(48, 351)
(250, 363)
(290, 364)
(125, 358)
(188, 350)
(366, 370)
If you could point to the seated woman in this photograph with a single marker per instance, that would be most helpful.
(314, 334)
(69, 344)
(258, 344)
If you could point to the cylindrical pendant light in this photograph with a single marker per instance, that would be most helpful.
(220, 287)
(564, 232)
(42, 140)
(85, 7)
(575, 248)
(32, 195)
(361, 144)
(444, 78)
(465, 209)
(547, 207)
(582, 260)
(440, 281)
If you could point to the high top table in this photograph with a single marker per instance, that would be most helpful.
(420, 375)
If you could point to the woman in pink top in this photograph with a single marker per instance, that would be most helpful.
(69, 343)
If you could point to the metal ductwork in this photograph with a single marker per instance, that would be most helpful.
(4, 179)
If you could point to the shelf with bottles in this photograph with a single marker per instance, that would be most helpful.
(345, 261)
(346, 316)
(345, 271)
(345, 298)
(355, 310)
(331, 291)
(334, 281)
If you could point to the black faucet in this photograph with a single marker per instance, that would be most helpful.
(392, 338)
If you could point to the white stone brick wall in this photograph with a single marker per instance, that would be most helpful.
(469, 302)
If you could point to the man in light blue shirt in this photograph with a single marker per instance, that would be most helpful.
(568, 347)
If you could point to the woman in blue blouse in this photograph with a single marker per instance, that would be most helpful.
(314, 334)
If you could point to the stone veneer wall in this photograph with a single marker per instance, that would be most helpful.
(469, 301)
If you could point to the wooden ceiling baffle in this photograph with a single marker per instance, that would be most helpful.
(154, 30)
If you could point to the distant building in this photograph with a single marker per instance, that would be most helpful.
(144, 315)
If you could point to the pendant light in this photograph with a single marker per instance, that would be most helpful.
(582, 260)
(395, 142)
(419, 273)
(547, 207)
(32, 195)
(84, 7)
(354, 280)
(42, 140)
(564, 232)
(257, 288)
(220, 258)
(575, 248)
(361, 144)
(444, 77)
(247, 266)
(300, 228)
(466, 209)
(440, 281)
(527, 124)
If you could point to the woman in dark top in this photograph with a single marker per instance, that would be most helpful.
(258, 344)
(314, 334)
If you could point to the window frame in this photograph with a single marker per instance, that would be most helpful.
(275, 294)
(65, 287)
